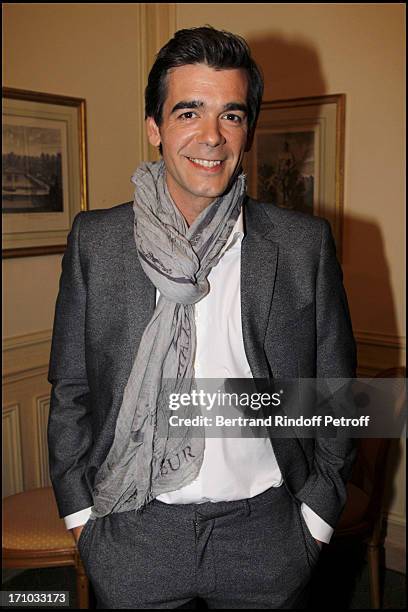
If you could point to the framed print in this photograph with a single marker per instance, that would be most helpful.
(297, 157)
(44, 181)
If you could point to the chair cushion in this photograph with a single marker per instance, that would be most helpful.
(31, 522)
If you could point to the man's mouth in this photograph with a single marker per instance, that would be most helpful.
(206, 163)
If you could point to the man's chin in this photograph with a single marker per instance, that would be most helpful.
(210, 194)
(221, 190)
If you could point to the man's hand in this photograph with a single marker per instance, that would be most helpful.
(77, 532)
(319, 543)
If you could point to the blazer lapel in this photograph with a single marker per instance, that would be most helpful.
(259, 257)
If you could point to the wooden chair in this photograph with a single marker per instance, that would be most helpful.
(34, 536)
(362, 517)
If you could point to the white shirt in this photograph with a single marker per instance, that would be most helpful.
(232, 468)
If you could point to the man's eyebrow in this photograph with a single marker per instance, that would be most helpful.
(236, 106)
(187, 104)
(198, 104)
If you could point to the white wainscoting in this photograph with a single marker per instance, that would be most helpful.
(12, 468)
(26, 394)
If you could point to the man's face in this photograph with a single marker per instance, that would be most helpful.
(204, 121)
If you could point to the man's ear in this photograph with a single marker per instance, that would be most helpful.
(153, 132)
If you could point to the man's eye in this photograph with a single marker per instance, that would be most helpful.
(187, 115)
(234, 118)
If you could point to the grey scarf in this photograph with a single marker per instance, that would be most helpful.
(147, 458)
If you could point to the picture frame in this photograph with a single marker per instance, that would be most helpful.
(297, 157)
(44, 181)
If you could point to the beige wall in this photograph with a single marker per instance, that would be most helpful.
(88, 51)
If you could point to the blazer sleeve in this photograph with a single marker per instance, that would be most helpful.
(325, 489)
(69, 424)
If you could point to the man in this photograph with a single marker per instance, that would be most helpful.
(195, 279)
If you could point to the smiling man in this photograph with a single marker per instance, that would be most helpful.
(195, 279)
(203, 133)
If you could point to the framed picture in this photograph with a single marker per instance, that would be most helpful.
(44, 181)
(297, 157)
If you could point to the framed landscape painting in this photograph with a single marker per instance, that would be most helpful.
(44, 182)
(297, 157)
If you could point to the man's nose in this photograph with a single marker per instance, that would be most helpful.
(211, 133)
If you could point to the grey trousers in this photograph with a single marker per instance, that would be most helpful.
(251, 553)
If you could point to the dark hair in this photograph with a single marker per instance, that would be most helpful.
(204, 45)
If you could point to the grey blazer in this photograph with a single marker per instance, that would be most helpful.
(295, 323)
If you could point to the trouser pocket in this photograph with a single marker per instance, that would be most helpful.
(83, 541)
(311, 546)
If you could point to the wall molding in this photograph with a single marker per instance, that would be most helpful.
(157, 24)
(13, 481)
(41, 412)
(395, 518)
(378, 339)
(377, 351)
(31, 352)
(26, 356)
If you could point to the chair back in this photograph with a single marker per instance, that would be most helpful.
(369, 470)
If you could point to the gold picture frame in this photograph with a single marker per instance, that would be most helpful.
(297, 157)
(44, 170)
